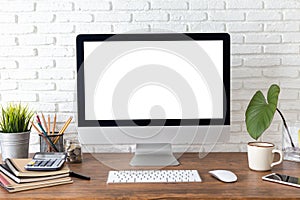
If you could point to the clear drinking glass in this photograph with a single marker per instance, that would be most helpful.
(291, 142)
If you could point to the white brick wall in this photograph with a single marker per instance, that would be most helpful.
(37, 49)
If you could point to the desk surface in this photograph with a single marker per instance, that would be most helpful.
(248, 186)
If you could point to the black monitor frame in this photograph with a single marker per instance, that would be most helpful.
(153, 37)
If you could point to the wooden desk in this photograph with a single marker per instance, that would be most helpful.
(248, 186)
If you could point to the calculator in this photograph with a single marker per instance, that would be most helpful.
(46, 161)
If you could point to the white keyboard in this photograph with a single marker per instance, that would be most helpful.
(153, 176)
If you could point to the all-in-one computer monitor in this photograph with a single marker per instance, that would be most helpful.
(153, 90)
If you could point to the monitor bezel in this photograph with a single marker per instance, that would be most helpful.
(82, 122)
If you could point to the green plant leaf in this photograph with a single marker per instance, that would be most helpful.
(260, 113)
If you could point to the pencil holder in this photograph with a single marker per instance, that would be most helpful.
(57, 140)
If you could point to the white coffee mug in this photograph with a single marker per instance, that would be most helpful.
(261, 156)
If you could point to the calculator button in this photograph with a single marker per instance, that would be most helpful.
(61, 162)
(57, 162)
(50, 163)
(37, 163)
(31, 163)
(44, 163)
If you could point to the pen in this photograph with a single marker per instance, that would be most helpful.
(76, 175)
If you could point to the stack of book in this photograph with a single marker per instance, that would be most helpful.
(14, 177)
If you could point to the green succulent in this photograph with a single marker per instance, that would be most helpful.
(15, 118)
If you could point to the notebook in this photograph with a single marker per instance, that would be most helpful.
(16, 165)
(5, 169)
(11, 186)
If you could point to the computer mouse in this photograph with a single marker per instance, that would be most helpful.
(224, 175)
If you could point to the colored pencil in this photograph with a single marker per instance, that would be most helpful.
(48, 127)
(62, 130)
(54, 124)
(36, 128)
(38, 118)
(50, 141)
(42, 135)
(45, 123)
(40, 125)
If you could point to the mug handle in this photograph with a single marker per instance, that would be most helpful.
(280, 159)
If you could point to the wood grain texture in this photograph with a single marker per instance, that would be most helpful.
(249, 184)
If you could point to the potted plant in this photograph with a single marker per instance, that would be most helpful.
(15, 131)
(259, 116)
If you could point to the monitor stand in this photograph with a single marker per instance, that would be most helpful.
(157, 154)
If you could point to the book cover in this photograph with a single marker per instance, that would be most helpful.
(5, 169)
(11, 186)
(17, 167)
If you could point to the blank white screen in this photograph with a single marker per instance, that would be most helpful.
(146, 99)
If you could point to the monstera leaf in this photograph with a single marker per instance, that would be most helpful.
(260, 113)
